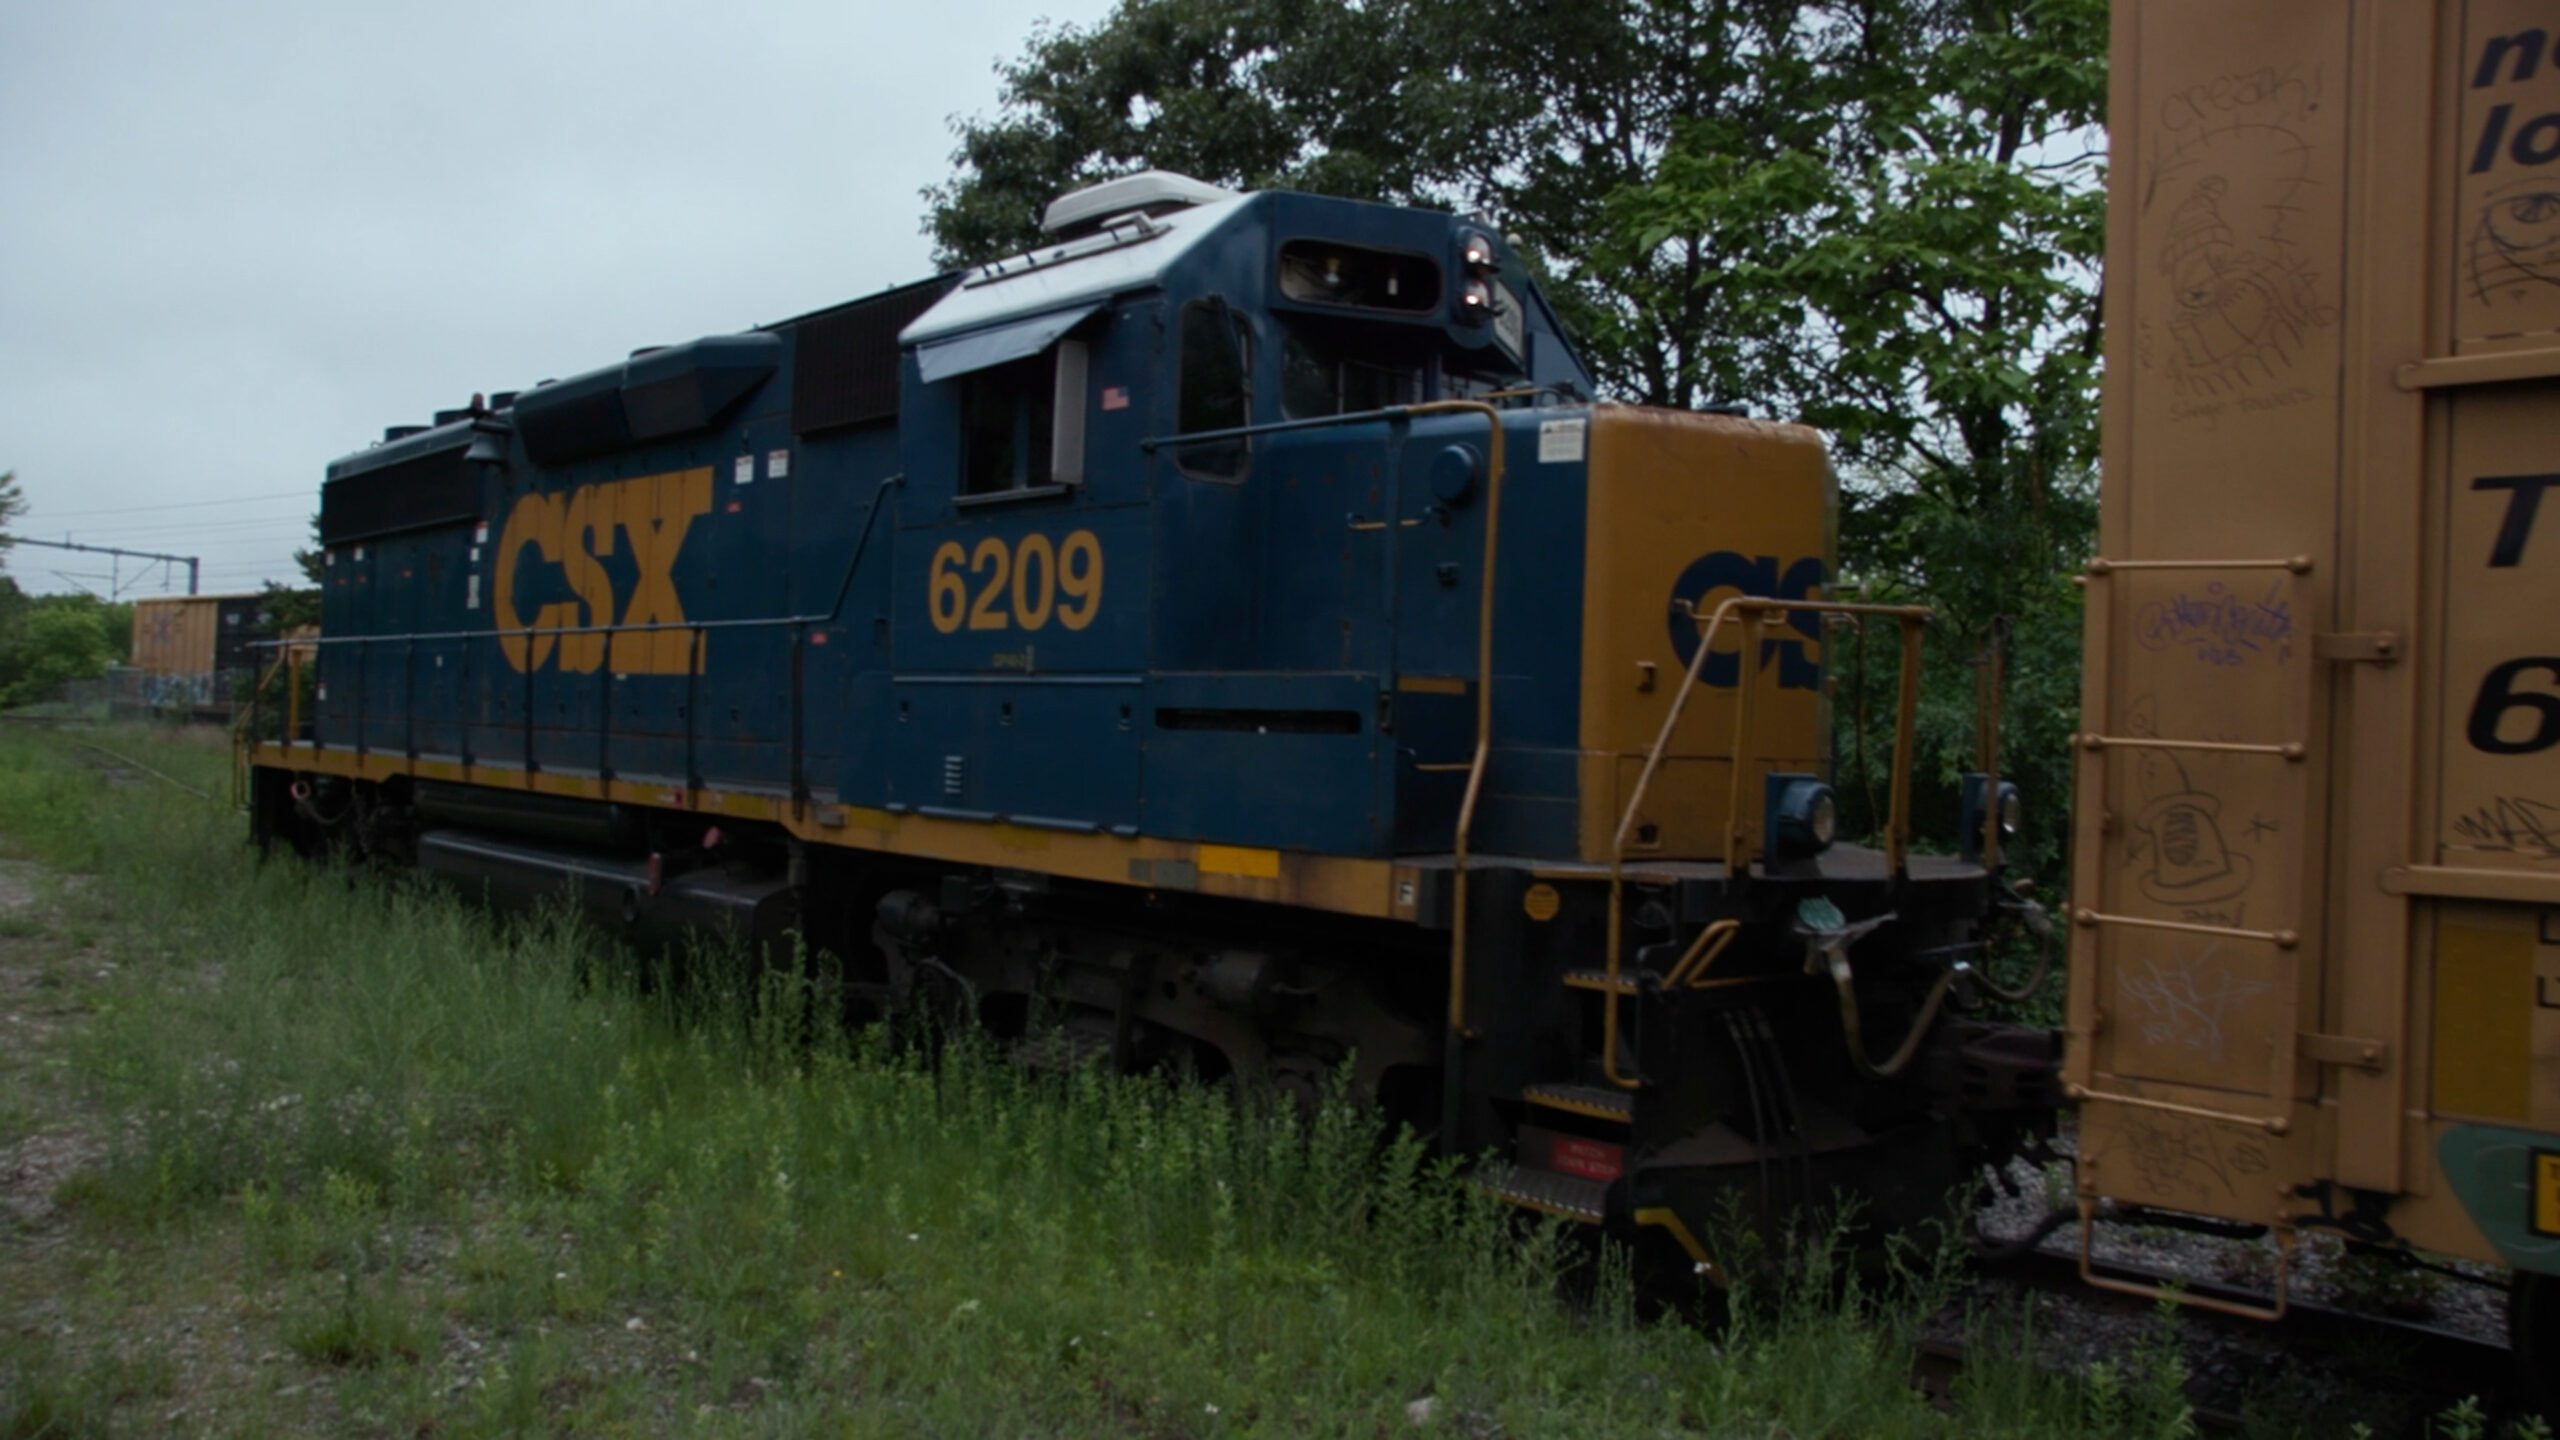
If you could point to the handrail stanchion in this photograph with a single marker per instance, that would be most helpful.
(799, 665)
(531, 664)
(1484, 700)
(466, 703)
(1746, 693)
(409, 698)
(1911, 618)
(604, 719)
(1987, 741)
(364, 690)
(1897, 835)
(692, 705)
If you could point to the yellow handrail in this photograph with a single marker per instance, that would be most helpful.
(1737, 863)
(1484, 702)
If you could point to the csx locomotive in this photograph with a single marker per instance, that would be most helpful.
(1226, 636)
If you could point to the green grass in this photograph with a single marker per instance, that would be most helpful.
(471, 1180)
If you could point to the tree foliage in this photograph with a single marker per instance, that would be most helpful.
(51, 640)
(13, 503)
(1882, 217)
(295, 606)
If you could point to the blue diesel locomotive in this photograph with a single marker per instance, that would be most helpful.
(1227, 635)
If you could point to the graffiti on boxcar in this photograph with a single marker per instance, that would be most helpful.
(2241, 294)
(2185, 999)
(2220, 626)
(2177, 842)
(2515, 242)
(2511, 823)
(2172, 1154)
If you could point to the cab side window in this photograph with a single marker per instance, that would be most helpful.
(1007, 414)
(1215, 389)
(1318, 379)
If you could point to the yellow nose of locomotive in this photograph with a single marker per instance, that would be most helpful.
(1688, 511)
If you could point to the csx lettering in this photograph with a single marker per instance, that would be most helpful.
(1021, 584)
(1710, 579)
(551, 557)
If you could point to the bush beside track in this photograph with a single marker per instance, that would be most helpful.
(352, 1156)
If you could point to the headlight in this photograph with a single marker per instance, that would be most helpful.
(1799, 816)
(1981, 805)
(1822, 817)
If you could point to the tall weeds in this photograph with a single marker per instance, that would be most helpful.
(491, 1183)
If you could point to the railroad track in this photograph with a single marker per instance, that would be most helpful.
(2410, 1369)
(104, 758)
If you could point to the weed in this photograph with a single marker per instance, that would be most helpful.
(45, 1395)
(760, 1223)
(357, 1323)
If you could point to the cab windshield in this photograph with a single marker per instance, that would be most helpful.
(1331, 375)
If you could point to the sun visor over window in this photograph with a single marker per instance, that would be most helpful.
(1014, 340)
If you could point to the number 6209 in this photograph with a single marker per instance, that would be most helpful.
(1022, 584)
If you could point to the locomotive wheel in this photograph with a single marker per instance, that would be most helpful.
(2533, 1331)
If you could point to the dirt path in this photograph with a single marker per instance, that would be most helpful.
(104, 1329)
(44, 1137)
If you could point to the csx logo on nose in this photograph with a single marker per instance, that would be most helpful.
(1710, 580)
(561, 557)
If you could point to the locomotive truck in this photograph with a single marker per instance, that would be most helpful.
(2315, 971)
(1228, 636)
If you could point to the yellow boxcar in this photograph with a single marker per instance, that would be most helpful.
(184, 644)
(2316, 954)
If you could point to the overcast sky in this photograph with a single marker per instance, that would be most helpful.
(237, 240)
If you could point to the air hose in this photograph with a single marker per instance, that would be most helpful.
(1827, 939)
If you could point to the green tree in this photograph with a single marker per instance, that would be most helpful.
(1882, 217)
(61, 639)
(1927, 286)
(295, 606)
(13, 503)
(115, 622)
(1532, 113)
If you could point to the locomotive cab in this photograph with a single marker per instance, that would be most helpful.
(1220, 391)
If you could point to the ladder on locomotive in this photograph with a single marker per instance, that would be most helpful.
(2097, 822)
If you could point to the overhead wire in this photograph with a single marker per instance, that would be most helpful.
(304, 495)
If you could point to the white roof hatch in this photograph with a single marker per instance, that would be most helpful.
(1150, 192)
